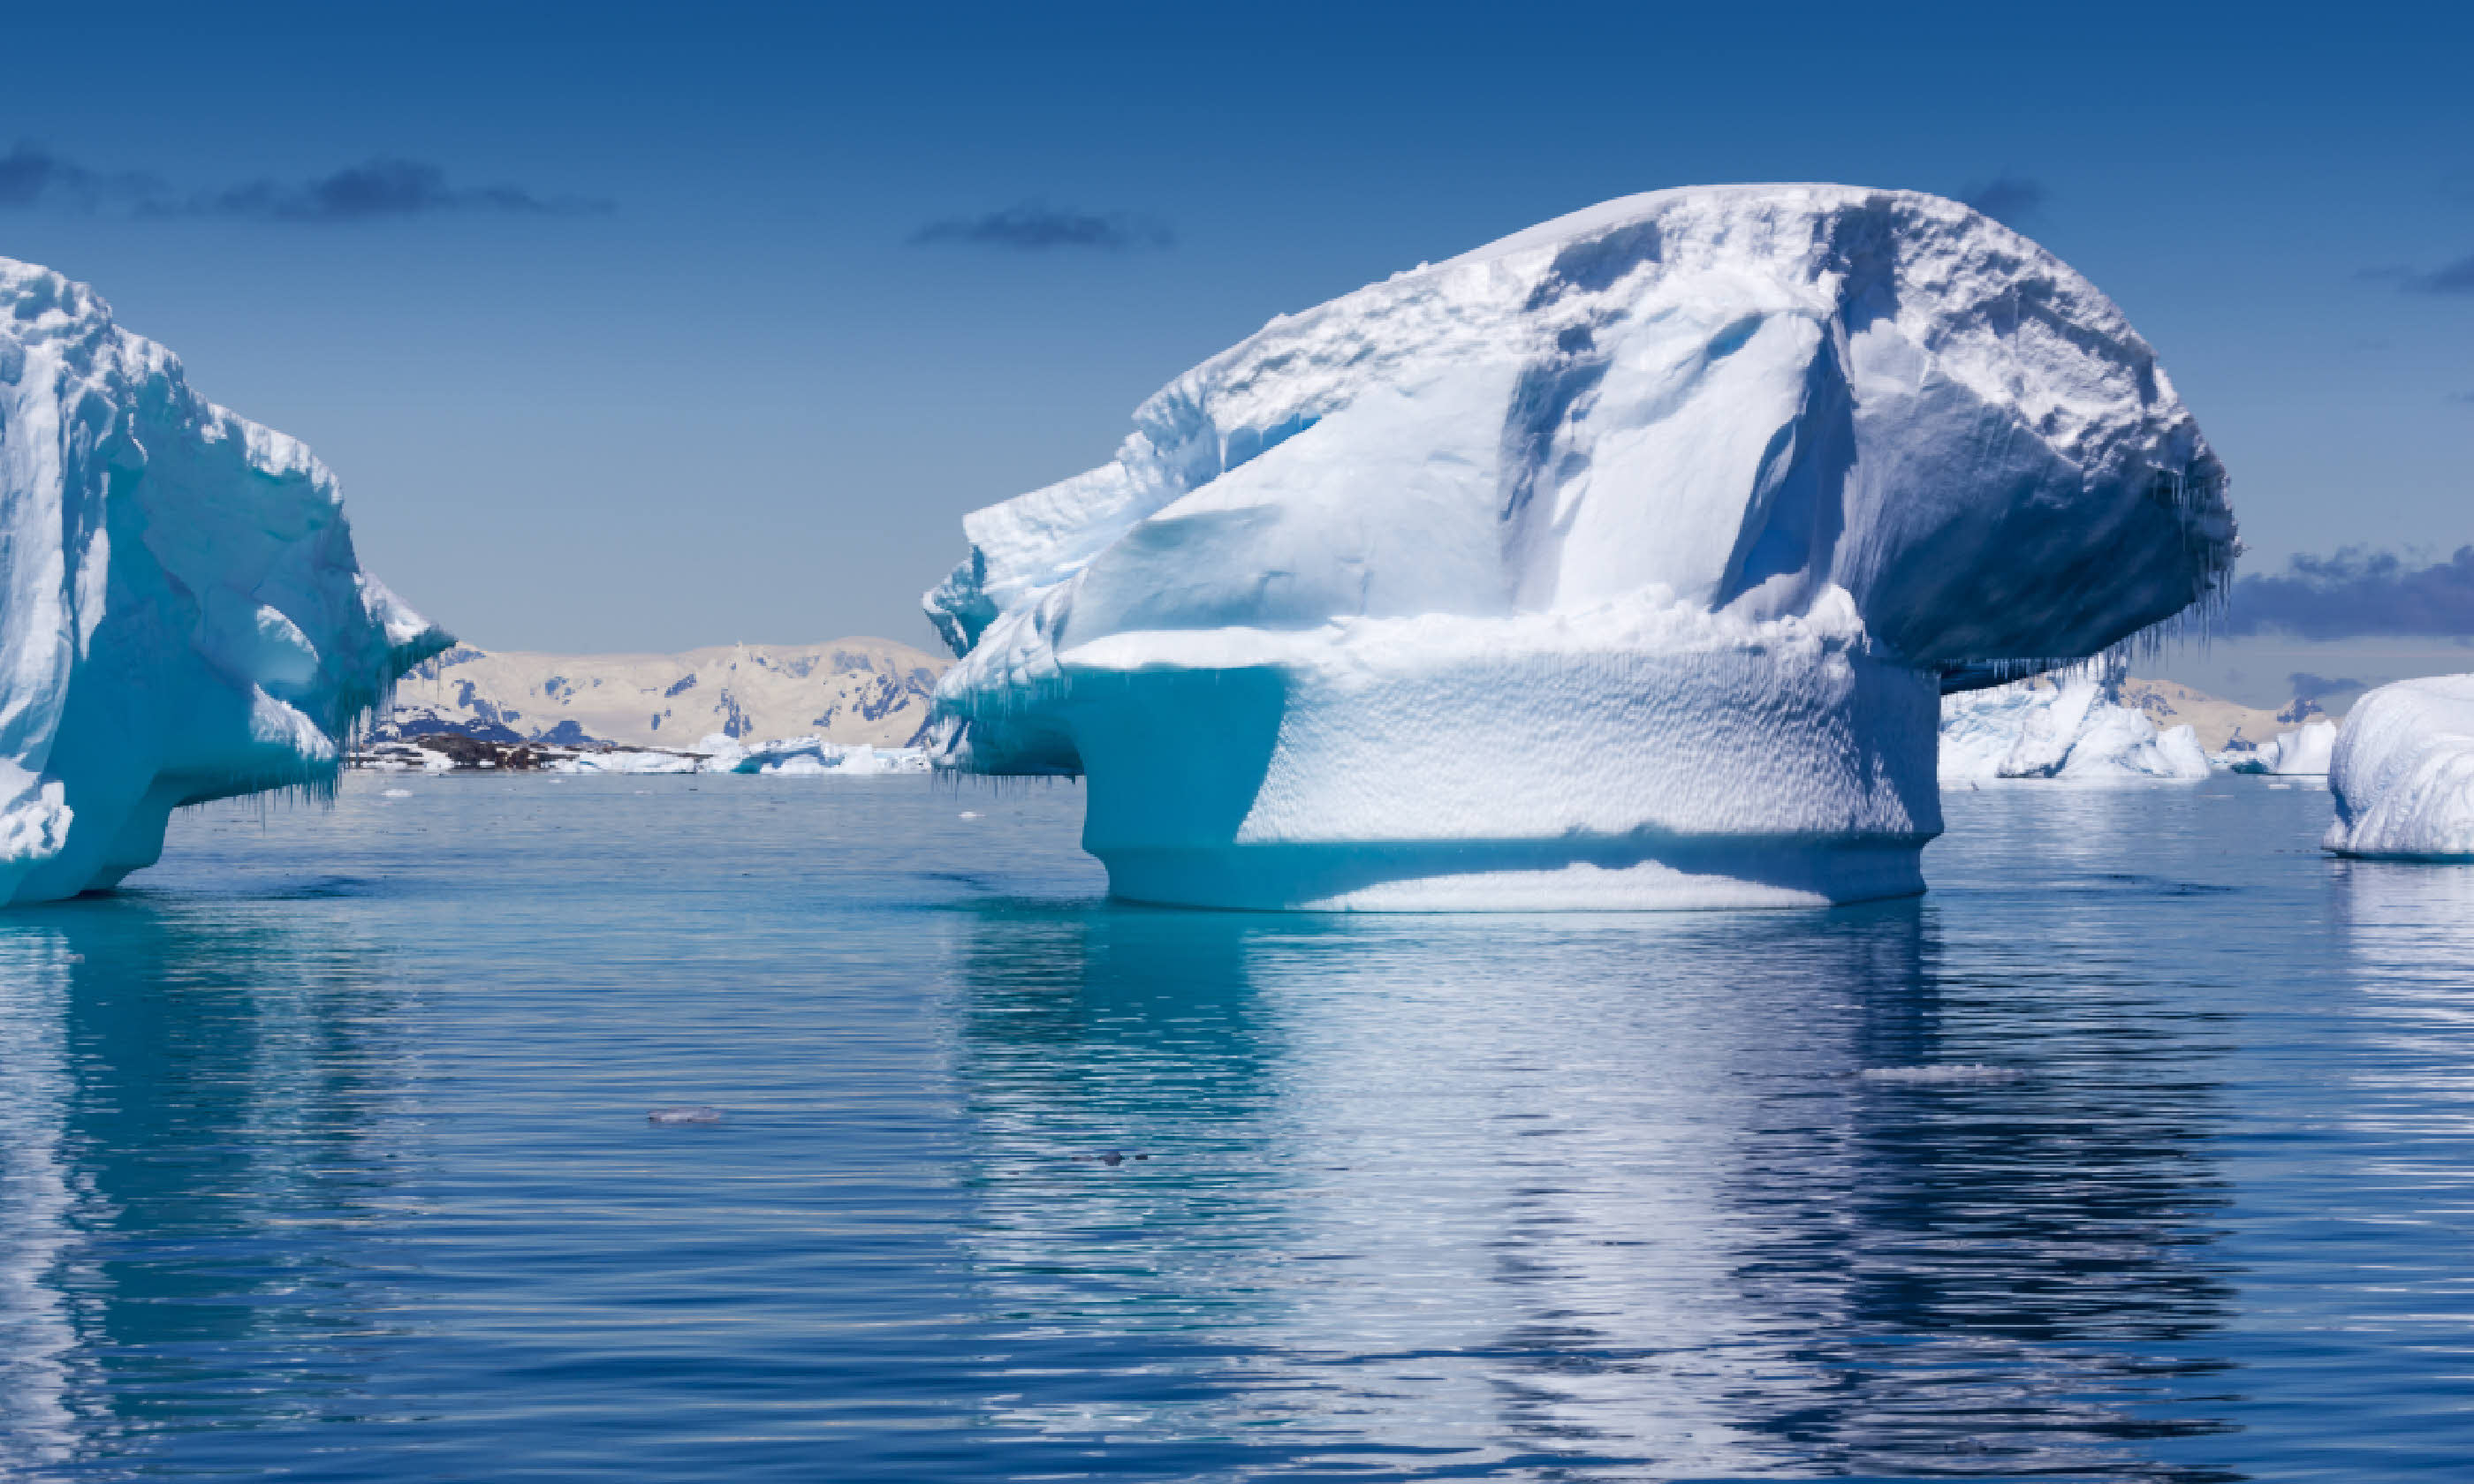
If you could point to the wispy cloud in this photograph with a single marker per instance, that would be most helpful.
(2357, 593)
(32, 175)
(2457, 278)
(1035, 227)
(374, 191)
(2009, 200)
(377, 190)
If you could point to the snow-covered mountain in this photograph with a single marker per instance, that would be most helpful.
(850, 691)
(181, 613)
(1620, 562)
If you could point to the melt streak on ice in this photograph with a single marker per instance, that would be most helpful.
(1617, 563)
(181, 616)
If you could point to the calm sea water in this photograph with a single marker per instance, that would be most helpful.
(2141, 1149)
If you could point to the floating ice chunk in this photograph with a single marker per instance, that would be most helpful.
(2067, 727)
(181, 614)
(1943, 1074)
(811, 757)
(396, 792)
(625, 760)
(1695, 502)
(2403, 773)
(690, 1113)
(2306, 752)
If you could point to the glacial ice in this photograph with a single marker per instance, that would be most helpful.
(784, 757)
(2403, 772)
(1695, 500)
(2071, 727)
(184, 617)
(2306, 752)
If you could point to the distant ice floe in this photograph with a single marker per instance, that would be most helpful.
(2403, 773)
(2305, 752)
(782, 757)
(2071, 727)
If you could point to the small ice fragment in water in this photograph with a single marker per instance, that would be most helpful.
(77, 958)
(396, 792)
(970, 814)
(684, 1115)
(1954, 1072)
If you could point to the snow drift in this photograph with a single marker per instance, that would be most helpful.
(2403, 774)
(183, 618)
(1693, 501)
(2071, 727)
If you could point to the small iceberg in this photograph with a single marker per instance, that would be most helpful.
(2403, 773)
(2308, 752)
(688, 1113)
(2071, 727)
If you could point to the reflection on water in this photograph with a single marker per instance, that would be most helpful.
(1589, 1195)
(192, 1106)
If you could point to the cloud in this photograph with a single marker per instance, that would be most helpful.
(2007, 199)
(32, 176)
(374, 191)
(2457, 278)
(2357, 593)
(2308, 686)
(1033, 227)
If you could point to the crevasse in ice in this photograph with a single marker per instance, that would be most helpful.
(2403, 772)
(1620, 562)
(181, 616)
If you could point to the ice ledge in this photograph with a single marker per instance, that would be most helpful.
(1573, 874)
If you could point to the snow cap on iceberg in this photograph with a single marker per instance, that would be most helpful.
(1698, 497)
(182, 616)
(2403, 772)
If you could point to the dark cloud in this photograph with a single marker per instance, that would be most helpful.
(375, 191)
(32, 175)
(2007, 199)
(2357, 593)
(2308, 686)
(2457, 278)
(1033, 227)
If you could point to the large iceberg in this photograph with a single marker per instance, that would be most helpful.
(183, 618)
(2072, 726)
(2403, 774)
(1620, 562)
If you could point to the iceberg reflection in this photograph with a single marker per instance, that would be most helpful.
(190, 1106)
(1588, 1194)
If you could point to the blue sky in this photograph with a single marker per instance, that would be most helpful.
(645, 326)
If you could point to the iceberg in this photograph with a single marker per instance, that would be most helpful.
(2403, 773)
(1695, 502)
(2071, 727)
(808, 756)
(182, 618)
(2306, 752)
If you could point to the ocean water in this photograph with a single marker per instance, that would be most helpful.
(2142, 1148)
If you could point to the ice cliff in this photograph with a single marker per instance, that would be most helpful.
(2071, 727)
(1695, 501)
(2303, 753)
(2403, 773)
(182, 616)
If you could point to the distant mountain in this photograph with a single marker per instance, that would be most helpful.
(847, 690)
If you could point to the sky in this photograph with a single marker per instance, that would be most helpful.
(639, 327)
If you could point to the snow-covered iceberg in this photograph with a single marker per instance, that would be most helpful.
(808, 756)
(182, 616)
(2306, 752)
(2072, 726)
(2403, 774)
(1620, 562)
